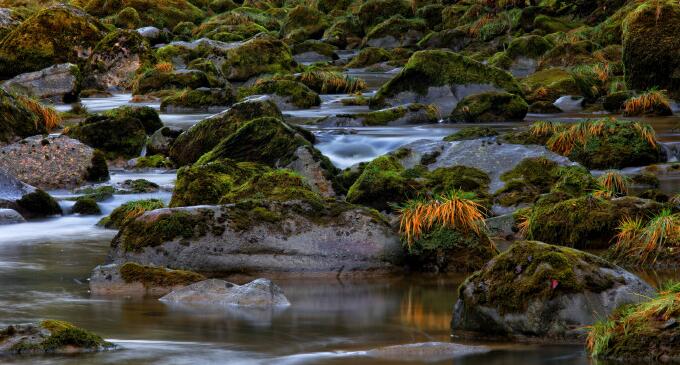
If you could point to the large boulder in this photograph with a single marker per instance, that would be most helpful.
(58, 82)
(206, 134)
(133, 279)
(292, 237)
(257, 293)
(651, 46)
(53, 162)
(542, 292)
(116, 59)
(58, 34)
(490, 107)
(261, 54)
(443, 78)
(49, 337)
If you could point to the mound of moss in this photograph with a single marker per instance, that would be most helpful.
(651, 46)
(152, 276)
(18, 121)
(302, 23)
(86, 206)
(155, 79)
(58, 34)
(261, 54)
(147, 115)
(396, 31)
(549, 85)
(383, 182)
(123, 136)
(158, 13)
(372, 12)
(38, 204)
(278, 185)
(426, 69)
(201, 98)
(448, 250)
(292, 92)
(128, 212)
(490, 107)
(206, 134)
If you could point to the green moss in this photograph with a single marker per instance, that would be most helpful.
(124, 136)
(381, 183)
(262, 54)
(38, 204)
(166, 226)
(303, 22)
(99, 194)
(207, 183)
(127, 18)
(17, 120)
(419, 113)
(202, 98)
(293, 92)
(51, 36)
(372, 12)
(86, 206)
(206, 134)
(651, 46)
(98, 171)
(490, 107)
(155, 80)
(147, 115)
(552, 25)
(127, 212)
(468, 133)
(397, 27)
(448, 250)
(159, 13)
(549, 84)
(138, 186)
(153, 162)
(267, 140)
(531, 46)
(152, 276)
(470, 179)
(369, 56)
(439, 68)
(184, 30)
(530, 270)
(277, 185)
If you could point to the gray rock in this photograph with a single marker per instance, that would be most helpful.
(10, 216)
(150, 33)
(295, 238)
(311, 57)
(310, 168)
(257, 293)
(58, 82)
(426, 351)
(501, 226)
(570, 291)
(162, 139)
(444, 97)
(53, 162)
(412, 114)
(107, 280)
(487, 155)
(523, 66)
(6, 19)
(28, 339)
(11, 190)
(115, 64)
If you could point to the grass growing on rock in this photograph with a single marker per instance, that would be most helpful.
(643, 244)
(152, 276)
(654, 102)
(130, 211)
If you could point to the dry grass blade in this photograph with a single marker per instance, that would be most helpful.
(614, 182)
(646, 102)
(164, 67)
(47, 116)
(646, 132)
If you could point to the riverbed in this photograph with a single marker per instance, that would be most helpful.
(44, 266)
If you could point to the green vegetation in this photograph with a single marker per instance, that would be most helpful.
(152, 276)
(292, 92)
(129, 211)
(490, 107)
(471, 133)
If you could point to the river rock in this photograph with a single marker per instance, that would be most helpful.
(58, 82)
(539, 292)
(53, 162)
(443, 78)
(49, 337)
(10, 216)
(426, 351)
(284, 237)
(486, 154)
(257, 293)
(134, 279)
(162, 139)
(395, 116)
(312, 170)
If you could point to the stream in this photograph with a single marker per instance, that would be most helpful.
(44, 266)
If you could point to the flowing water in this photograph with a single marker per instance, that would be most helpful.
(44, 266)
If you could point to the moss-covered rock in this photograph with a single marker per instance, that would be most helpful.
(50, 337)
(206, 134)
(158, 13)
(155, 79)
(452, 75)
(396, 31)
(286, 93)
(198, 99)
(128, 212)
(549, 85)
(532, 46)
(267, 140)
(262, 54)
(147, 115)
(313, 50)
(86, 206)
(468, 133)
(383, 182)
(344, 32)
(277, 185)
(369, 56)
(585, 222)
(399, 115)
(116, 59)
(18, 121)
(149, 276)
(372, 12)
(115, 136)
(208, 183)
(448, 250)
(58, 34)
(133, 279)
(537, 291)
(303, 22)
(651, 46)
(38, 204)
(490, 107)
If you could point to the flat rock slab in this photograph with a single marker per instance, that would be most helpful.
(257, 293)
(426, 351)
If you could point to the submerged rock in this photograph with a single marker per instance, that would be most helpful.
(134, 279)
(50, 337)
(257, 293)
(10, 216)
(291, 237)
(53, 162)
(541, 292)
(59, 82)
(426, 351)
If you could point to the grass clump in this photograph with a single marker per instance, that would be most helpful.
(651, 102)
(645, 244)
(332, 82)
(152, 276)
